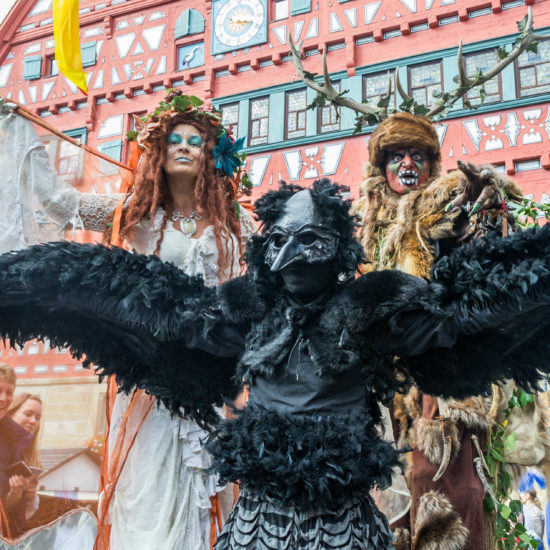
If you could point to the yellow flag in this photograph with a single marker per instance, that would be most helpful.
(67, 42)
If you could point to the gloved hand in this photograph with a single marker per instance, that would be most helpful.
(481, 185)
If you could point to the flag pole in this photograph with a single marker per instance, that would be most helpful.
(25, 113)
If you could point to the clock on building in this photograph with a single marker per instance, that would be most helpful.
(238, 24)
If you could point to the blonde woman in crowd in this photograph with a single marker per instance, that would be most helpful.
(26, 410)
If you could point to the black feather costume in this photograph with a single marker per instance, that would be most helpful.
(305, 449)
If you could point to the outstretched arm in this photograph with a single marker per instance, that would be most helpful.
(133, 316)
(39, 203)
(483, 317)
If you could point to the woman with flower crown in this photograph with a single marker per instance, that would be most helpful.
(182, 207)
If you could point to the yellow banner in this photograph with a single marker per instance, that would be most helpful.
(67, 42)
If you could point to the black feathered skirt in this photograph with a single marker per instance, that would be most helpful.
(304, 481)
(257, 523)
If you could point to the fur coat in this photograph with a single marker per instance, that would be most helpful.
(409, 232)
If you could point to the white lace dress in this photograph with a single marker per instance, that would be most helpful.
(161, 500)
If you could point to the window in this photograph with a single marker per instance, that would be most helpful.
(33, 348)
(525, 165)
(51, 66)
(375, 86)
(493, 88)
(87, 52)
(259, 121)
(424, 80)
(189, 22)
(230, 117)
(68, 159)
(533, 71)
(111, 149)
(295, 114)
(328, 117)
(299, 6)
(280, 10)
(32, 67)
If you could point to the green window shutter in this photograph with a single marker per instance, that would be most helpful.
(189, 22)
(112, 149)
(196, 22)
(32, 67)
(182, 25)
(87, 51)
(299, 6)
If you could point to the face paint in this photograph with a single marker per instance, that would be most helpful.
(193, 140)
(407, 169)
(184, 146)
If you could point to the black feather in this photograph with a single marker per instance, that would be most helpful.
(302, 460)
(126, 313)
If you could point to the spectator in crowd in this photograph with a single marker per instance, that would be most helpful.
(533, 516)
(14, 441)
(26, 410)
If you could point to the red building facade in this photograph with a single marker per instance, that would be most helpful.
(235, 55)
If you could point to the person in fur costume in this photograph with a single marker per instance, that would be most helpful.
(411, 215)
(315, 345)
(415, 215)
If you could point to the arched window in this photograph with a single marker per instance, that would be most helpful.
(189, 22)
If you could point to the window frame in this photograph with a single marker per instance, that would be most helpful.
(376, 74)
(49, 62)
(410, 91)
(234, 125)
(81, 135)
(498, 78)
(337, 84)
(517, 70)
(251, 121)
(287, 113)
(274, 10)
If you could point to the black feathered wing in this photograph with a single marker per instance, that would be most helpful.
(489, 318)
(133, 316)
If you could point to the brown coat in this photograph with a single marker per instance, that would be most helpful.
(446, 514)
(403, 231)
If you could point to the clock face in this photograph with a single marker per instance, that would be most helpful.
(238, 24)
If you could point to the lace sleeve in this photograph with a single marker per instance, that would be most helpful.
(248, 227)
(94, 209)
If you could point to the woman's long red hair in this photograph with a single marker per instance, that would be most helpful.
(213, 193)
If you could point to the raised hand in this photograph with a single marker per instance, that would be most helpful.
(481, 185)
(6, 108)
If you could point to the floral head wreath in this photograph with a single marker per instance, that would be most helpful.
(228, 157)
